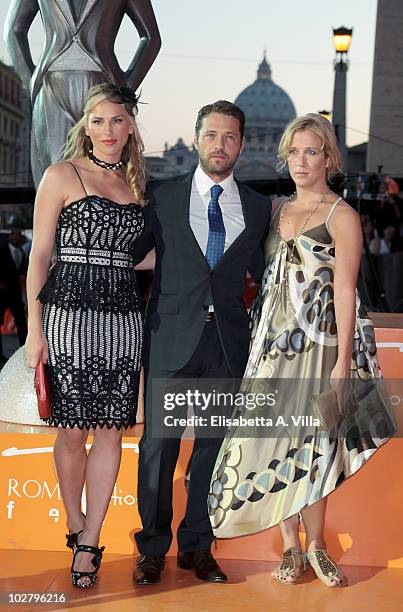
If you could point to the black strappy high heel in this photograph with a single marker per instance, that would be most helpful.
(96, 562)
(72, 538)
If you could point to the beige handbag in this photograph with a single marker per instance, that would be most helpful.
(324, 408)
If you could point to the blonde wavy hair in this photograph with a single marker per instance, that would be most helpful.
(322, 128)
(78, 143)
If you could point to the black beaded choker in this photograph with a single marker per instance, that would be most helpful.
(104, 164)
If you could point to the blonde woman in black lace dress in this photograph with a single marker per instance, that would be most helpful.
(85, 319)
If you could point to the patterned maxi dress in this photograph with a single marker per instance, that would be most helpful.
(257, 482)
(92, 315)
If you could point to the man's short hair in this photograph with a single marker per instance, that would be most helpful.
(224, 108)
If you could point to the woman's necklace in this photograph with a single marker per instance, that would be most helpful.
(302, 228)
(104, 164)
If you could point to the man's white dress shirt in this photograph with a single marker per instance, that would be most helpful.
(230, 204)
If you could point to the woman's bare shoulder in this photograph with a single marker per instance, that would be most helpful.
(345, 222)
(344, 212)
(56, 182)
(59, 170)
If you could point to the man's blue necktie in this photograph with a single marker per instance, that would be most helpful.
(216, 234)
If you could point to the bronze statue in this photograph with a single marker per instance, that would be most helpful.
(78, 53)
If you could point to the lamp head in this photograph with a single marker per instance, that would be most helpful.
(342, 39)
(326, 114)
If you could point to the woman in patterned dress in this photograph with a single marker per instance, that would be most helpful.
(85, 320)
(313, 253)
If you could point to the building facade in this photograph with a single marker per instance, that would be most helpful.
(385, 146)
(14, 130)
(176, 160)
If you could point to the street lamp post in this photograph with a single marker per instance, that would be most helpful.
(342, 40)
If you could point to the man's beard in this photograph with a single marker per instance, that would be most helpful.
(210, 166)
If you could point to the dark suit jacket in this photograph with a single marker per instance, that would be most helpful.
(184, 285)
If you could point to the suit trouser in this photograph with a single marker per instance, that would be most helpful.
(158, 458)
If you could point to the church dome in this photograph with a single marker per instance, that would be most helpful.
(264, 100)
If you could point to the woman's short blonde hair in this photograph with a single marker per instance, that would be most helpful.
(322, 128)
(78, 143)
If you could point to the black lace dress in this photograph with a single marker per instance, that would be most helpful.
(92, 315)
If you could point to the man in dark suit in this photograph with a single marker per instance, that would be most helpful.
(208, 232)
(13, 265)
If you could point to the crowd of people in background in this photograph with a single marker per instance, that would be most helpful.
(380, 208)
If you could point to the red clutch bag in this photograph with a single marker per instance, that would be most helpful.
(42, 389)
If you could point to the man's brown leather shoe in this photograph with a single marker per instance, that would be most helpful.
(148, 569)
(203, 564)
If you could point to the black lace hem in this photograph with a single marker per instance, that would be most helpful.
(87, 424)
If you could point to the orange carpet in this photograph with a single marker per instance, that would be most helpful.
(250, 587)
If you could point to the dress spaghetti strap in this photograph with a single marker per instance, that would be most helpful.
(339, 199)
(279, 207)
(79, 177)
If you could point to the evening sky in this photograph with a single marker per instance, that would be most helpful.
(211, 50)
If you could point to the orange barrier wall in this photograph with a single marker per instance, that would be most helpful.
(364, 520)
